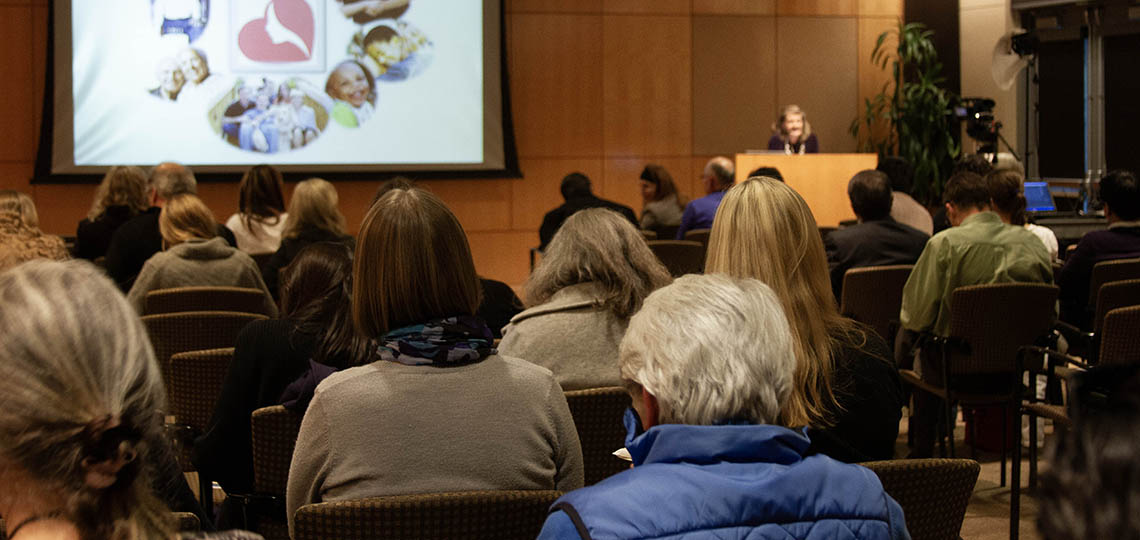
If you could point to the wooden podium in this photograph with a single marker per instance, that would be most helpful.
(821, 179)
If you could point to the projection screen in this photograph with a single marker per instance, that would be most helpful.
(306, 85)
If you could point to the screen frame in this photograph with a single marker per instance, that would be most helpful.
(493, 71)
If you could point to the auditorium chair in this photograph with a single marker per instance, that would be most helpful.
(680, 257)
(195, 383)
(181, 299)
(1109, 296)
(480, 515)
(598, 414)
(172, 333)
(274, 434)
(933, 493)
(699, 235)
(872, 295)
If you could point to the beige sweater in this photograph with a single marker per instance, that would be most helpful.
(393, 429)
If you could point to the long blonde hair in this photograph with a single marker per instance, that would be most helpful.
(184, 217)
(121, 186)
(82, 399)
(314, 206)
(764, 230)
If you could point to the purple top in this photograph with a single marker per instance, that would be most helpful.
(809, 146)
(699, 213)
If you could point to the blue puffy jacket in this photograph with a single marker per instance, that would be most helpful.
(728, 481)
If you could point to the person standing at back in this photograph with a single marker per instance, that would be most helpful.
(717, 177)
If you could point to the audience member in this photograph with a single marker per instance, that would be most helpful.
(978, 249)
(792, 133)
(973, 163)
(705, 362)
(81, 440)
(120, 196)
(846, 388)
(261, 216)
(663, 205)
(1007, 198)
(316, 326)
(716, 178)
(877, 240)
(594, 276)
(136, 240)
(20, 236)
(498, 305)
(1121, 196)
(1092, 484)
(770, 172)
(420, 418)
(578, 195)
(194, 256)
(313, 217)
(905, 209)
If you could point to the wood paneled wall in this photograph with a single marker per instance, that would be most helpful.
(598, 86)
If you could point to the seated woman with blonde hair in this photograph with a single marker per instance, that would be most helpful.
(121, 196)
(194, 256)
(846, 387)
(313, 217)
(592, 279)
(20, 236)
(437, 409)
(81, 441)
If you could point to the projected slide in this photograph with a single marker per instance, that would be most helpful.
(238, 82)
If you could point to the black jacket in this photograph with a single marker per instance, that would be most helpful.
(554, 218)
(138, 240)
(871, 243)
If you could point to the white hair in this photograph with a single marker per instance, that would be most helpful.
(711, 349)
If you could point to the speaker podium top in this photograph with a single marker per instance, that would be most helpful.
(821, 179)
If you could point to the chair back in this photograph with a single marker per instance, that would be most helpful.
(187, 522)
(680, 257)
(598, 416)
(273, 435)
(666, 232)
(172, 333)
(471, 514)
(996, 319)
(1114, 270)
(648, 234)
(195, 383)
(1118, 337)
(699, 235)
(872, 295)
(182, 299)
(1115, 294)
(933, 493)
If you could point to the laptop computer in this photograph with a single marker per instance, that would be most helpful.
(1038, 198)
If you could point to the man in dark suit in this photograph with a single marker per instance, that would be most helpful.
(579, 196)
(1121, 196)
(139, 238)
(877, 239)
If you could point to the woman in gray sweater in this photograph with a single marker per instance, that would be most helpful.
(437, 409)
(194, 256)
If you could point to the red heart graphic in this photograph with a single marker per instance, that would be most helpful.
(295, 19)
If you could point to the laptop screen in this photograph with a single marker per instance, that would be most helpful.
(1038, 197)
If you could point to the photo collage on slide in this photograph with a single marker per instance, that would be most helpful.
(269, 102)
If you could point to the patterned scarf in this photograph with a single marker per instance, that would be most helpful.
(450, 341)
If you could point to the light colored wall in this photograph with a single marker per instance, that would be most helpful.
(981, 24)
(599, 86)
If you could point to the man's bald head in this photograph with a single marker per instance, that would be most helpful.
(168, 179)
(719, 174)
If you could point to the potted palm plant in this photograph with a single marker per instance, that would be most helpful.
(911, 115)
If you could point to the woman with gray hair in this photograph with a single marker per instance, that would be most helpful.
(706, 363)
(593, 277)
(81, 403)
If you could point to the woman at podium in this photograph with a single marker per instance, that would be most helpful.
(792, 133)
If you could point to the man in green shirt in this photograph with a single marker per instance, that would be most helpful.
(977, 249)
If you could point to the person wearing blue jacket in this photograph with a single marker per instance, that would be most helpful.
(708, 362)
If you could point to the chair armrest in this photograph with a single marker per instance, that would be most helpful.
(1055, 359)
(1072, 333)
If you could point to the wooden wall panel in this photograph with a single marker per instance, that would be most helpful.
(816, 70)
(880, 8)
(50, 197)
(734, 90)
(734, 7)
(480, 205)
(554, 6)
(556, 84)
(871, 78)
(16, 65)
(503, 255)
(816, 8)
(16, 175)
(647, 93)
(647, 7)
